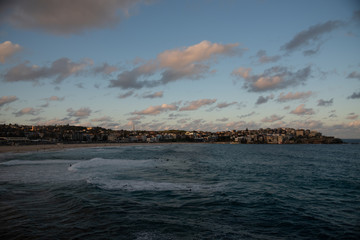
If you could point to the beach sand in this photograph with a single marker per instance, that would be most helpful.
(52, 147)
(60, 146)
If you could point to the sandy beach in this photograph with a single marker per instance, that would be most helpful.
(51, 147)
(60, 146)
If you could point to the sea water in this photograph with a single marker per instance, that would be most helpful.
(182, 191)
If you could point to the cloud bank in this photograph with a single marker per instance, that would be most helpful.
(81, 15)
(172, 65)
(272, 79)
(59, 70)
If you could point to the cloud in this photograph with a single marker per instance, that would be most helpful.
(54, 121)
(247, 115)
(125, 95)
(153, 95)
(356, 16)
(59, 70)
(7, 99)
(354, 75)
(325, 103)
(66, 16)
(263, 58)
(194, 105)
(272, 118)
(272, 79)
(155, 110)
(310, 35)
(225, 104)
(80, 113)
(55, 98)
(26, 111)
(7, 50)
(313, 51)
(205, 50)
(51, 99)
(222, 120)
(105, 69)
(355, 95)
(80, 85)
(352, 116)
(102, 119)
(293, 96)
(262, 99)
(191, 62)
(301, 110)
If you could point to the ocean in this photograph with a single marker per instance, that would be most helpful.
(182, 191)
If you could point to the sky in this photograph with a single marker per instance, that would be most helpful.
(191, 65)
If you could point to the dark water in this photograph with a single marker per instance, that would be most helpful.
(201, 191)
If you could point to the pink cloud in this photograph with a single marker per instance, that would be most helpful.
(194, 105)
(155, 110)
(272, 118)
(294, 96)
(301, 110)
(27, 111)
(7, 50)
(7, 99)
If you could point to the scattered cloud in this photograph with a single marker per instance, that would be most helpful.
(222, 105)
(194, 105)
(125, 95)
(105, 69)
(352, 116)
(153, 95)
(186, 63)
(7, 99)
(264, 58)
(313, 51)
(325, 103)
(55, 121)
(272, 118)
(80, 85)
(310, 35)
(102, 119)
(222, 119)
(307, 124)
(301, 110)
(59, 70)
(55, 98)
(45, 105)
(51, 99)
(262, 99)
(49, 16)
(356, 16)
(355, 95)
(80, 113)
(354, 75)
(294, 96)
(26, 111)
(272, 79)
(247, 115)
(7, 50)
(155, 110)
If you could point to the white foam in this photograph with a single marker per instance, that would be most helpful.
(101, 163)
(35, 162)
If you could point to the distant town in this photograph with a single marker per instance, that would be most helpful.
(26, 135)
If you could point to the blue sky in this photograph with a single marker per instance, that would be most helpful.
(192, 65)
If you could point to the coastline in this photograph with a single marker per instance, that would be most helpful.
(56, 147)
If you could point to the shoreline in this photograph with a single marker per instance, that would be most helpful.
(57, 147)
